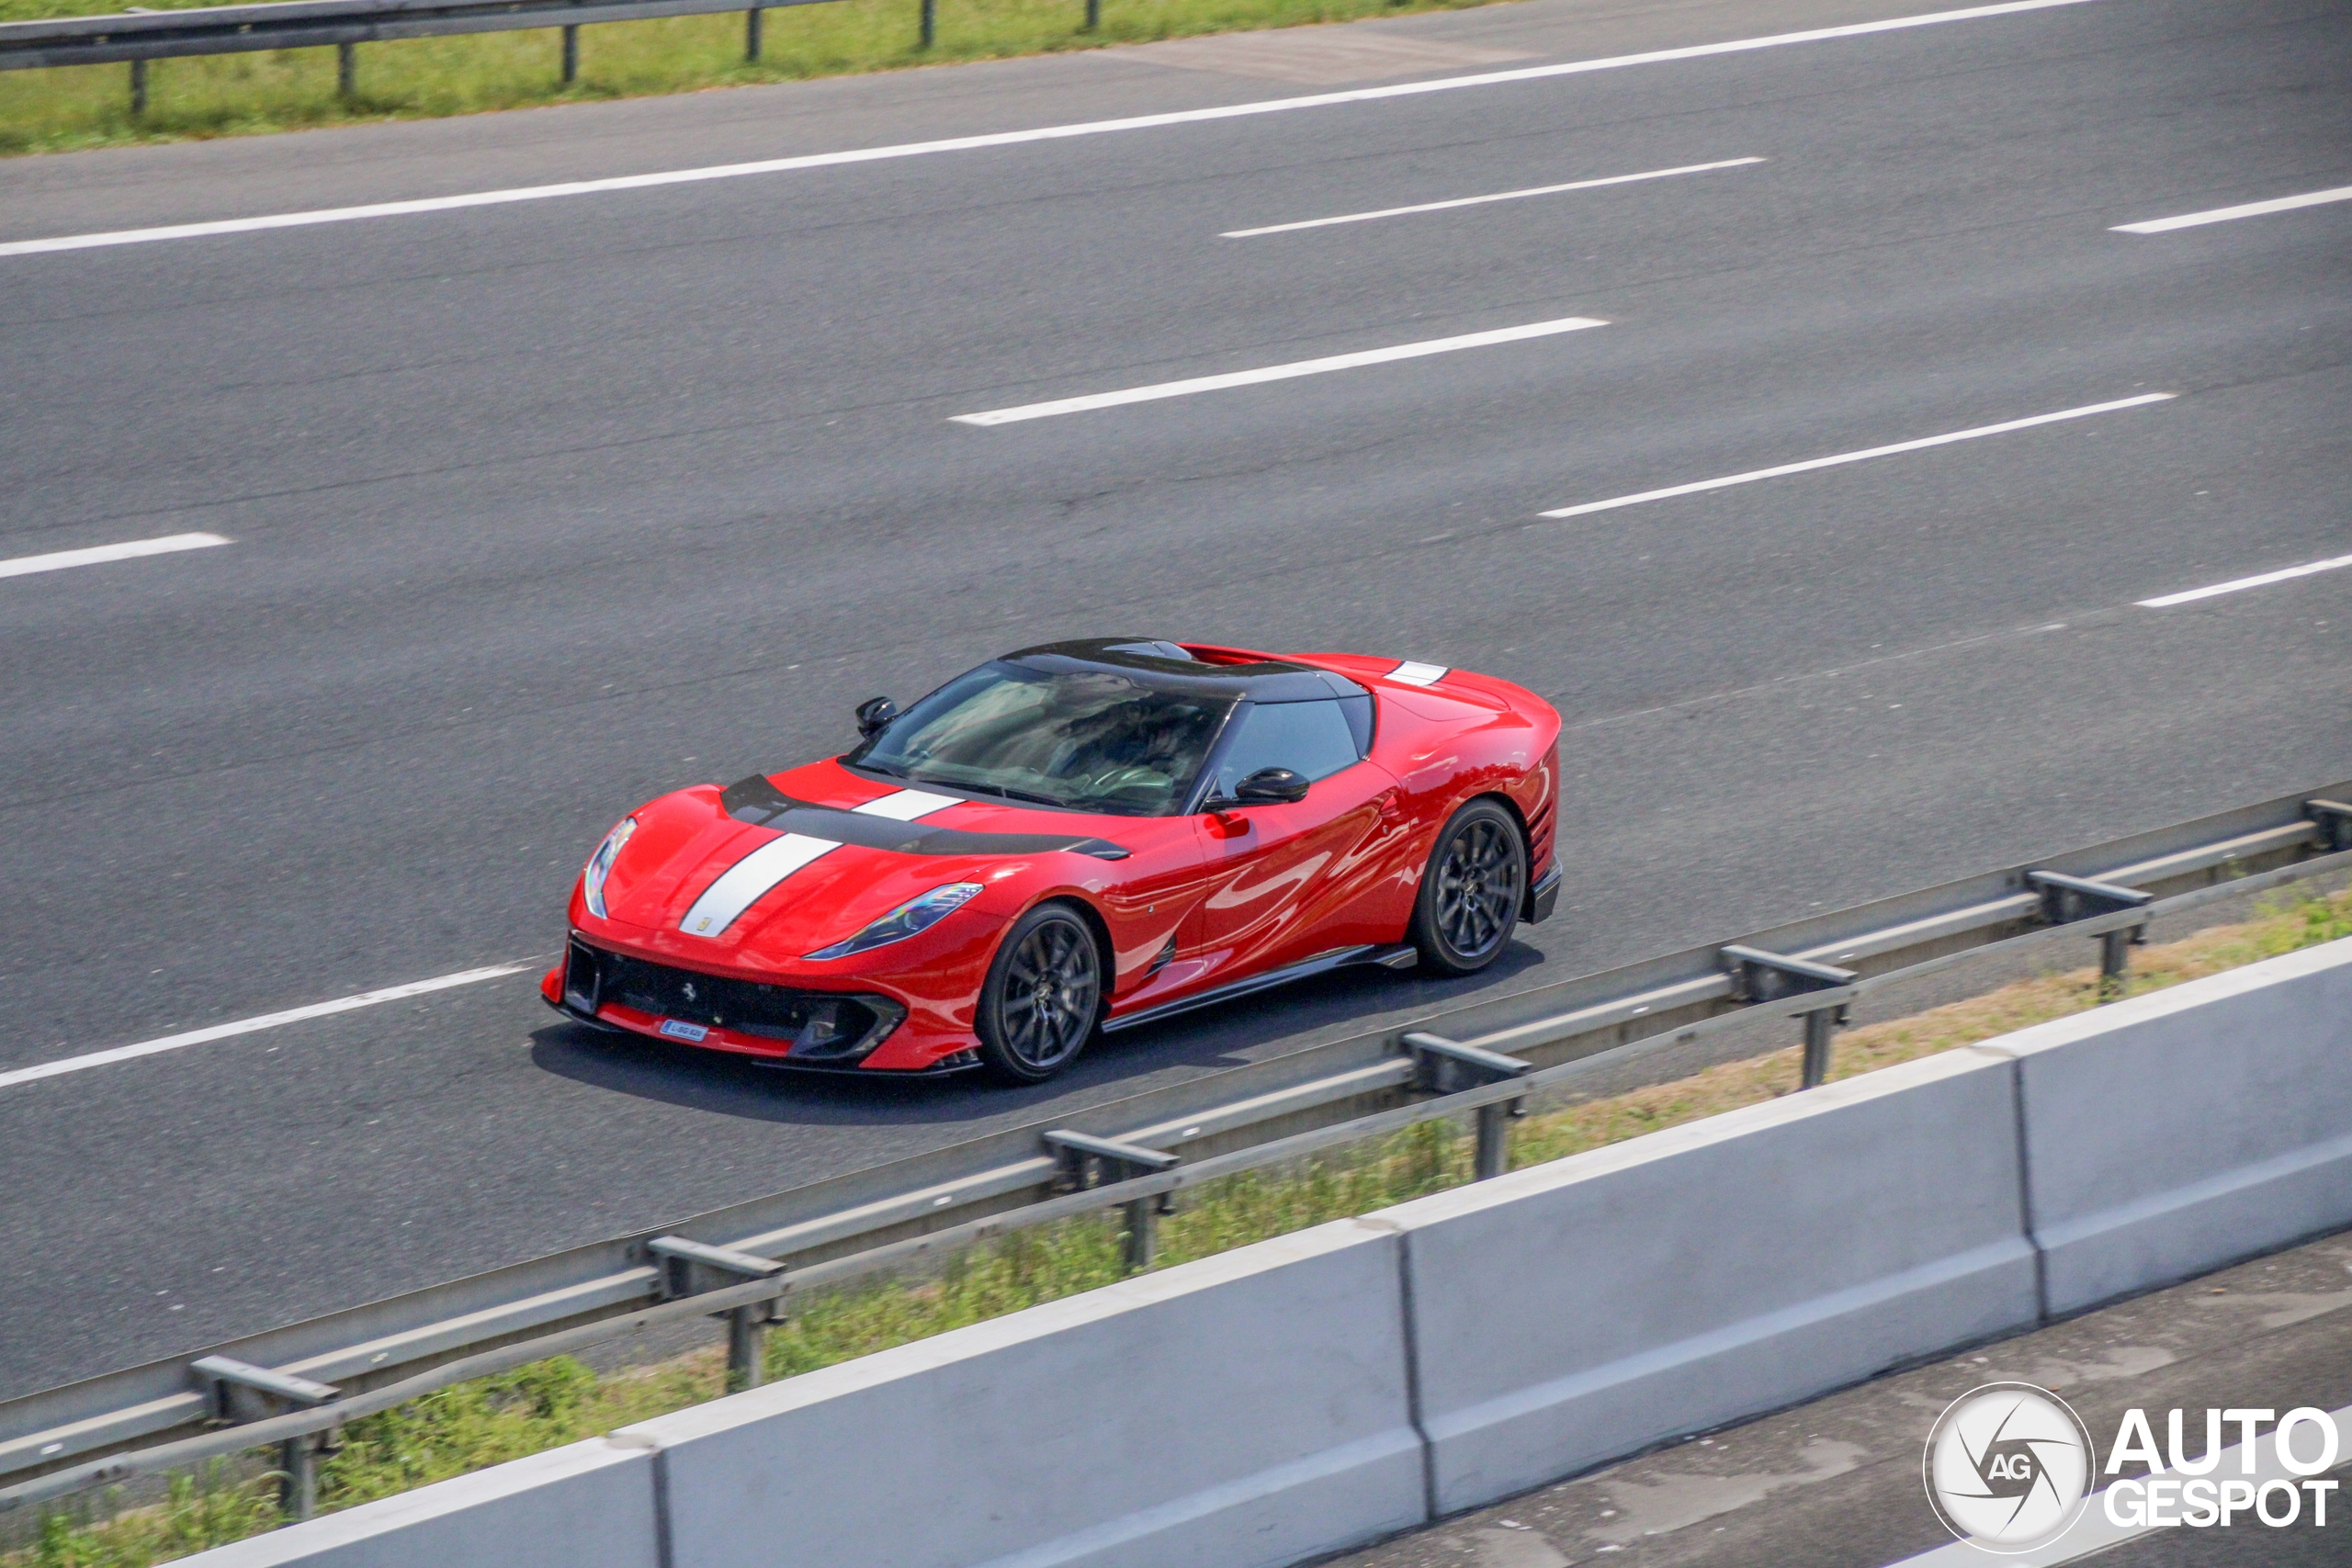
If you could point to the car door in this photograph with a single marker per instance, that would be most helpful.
(1289, 880)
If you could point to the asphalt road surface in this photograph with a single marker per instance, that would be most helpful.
(540, 508)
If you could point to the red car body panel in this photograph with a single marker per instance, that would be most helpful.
(1196, 903)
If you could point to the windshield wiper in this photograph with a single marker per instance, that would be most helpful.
(1009, 794)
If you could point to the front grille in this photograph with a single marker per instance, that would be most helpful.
(819, 1026)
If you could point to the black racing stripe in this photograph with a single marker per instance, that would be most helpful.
(759, 801)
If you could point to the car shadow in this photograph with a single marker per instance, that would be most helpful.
(1326, 1007)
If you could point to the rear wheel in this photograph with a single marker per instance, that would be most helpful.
(1043, 991)
(1468, 905)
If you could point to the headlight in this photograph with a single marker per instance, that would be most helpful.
(914, 915)
(600, 865)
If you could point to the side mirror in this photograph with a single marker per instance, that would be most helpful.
(1269, 787)
(874, 715)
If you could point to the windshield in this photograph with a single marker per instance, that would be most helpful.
(1094, 739)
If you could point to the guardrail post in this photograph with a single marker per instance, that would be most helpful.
(752, 35)
(2065, 899)
(1760, 977)
(1093, 16)
(746, 1341)
(929, 21)
(570, 55)
(297, 1460)
(2333, 820)
(747, 1325)
(139, 86)
(1447, 1066)
(346, 71)
(1818, 1024)
(1087, 1161)
(228, 1382)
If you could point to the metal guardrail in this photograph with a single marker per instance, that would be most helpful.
(1138, 1153)
(139, 36)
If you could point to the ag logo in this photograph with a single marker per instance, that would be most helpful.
(2009, 1467)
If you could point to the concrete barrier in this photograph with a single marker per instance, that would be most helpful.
(2175, 1133)
(588, 1505)
(1246, 1409)
(1254, 1409)
(1575, 1312)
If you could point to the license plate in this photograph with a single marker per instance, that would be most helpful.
(677, 1031)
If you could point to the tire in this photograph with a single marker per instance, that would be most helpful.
(1470, 894)
(1043, 997)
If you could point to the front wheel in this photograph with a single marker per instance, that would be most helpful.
(1468, 905)
(1044, 990)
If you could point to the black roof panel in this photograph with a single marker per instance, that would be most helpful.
(1156, 662)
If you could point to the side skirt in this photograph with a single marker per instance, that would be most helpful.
(1400, 957)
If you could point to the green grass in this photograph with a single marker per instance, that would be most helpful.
(235, 95)
(537, 1408)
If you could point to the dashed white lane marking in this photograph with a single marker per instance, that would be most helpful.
(251, 1025)
(1481, 200)
(2224, 214)
(58, 560)
(2286, 574)
(1278, 372)
(1004, 138)
(1862, 457)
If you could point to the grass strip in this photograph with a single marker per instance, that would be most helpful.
(473, 1426)
(242, 95)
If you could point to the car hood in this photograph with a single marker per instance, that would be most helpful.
(771, 869)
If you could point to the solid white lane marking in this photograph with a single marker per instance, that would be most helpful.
(1480, 200)
(58, 560)
(1006, 138)
(749, 880)
(1277, 372)
(2096, 1530)
(2224, 214)
(1862, 457)
(1413, 675)
(2285, 575)
(251, 1025)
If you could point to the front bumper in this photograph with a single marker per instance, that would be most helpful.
(785, 1025)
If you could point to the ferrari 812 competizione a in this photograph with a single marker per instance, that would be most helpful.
(1074, 838)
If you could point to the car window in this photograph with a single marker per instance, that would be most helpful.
(1313, 740)
(1093, 739)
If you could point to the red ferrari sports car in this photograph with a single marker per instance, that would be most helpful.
(1074, 838)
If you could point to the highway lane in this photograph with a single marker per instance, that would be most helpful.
(542, 508)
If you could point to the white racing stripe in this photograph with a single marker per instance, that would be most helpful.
(1482, 200)
(2286, 574)
(1862, 457)
(251, 1025)
(97, 555)
(2224, 214)
(1413, 675)
(749, 880)
(1006, 138)
(1277, 372)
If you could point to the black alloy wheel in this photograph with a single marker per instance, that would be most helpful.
(1044, 993)
(1469, 901)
